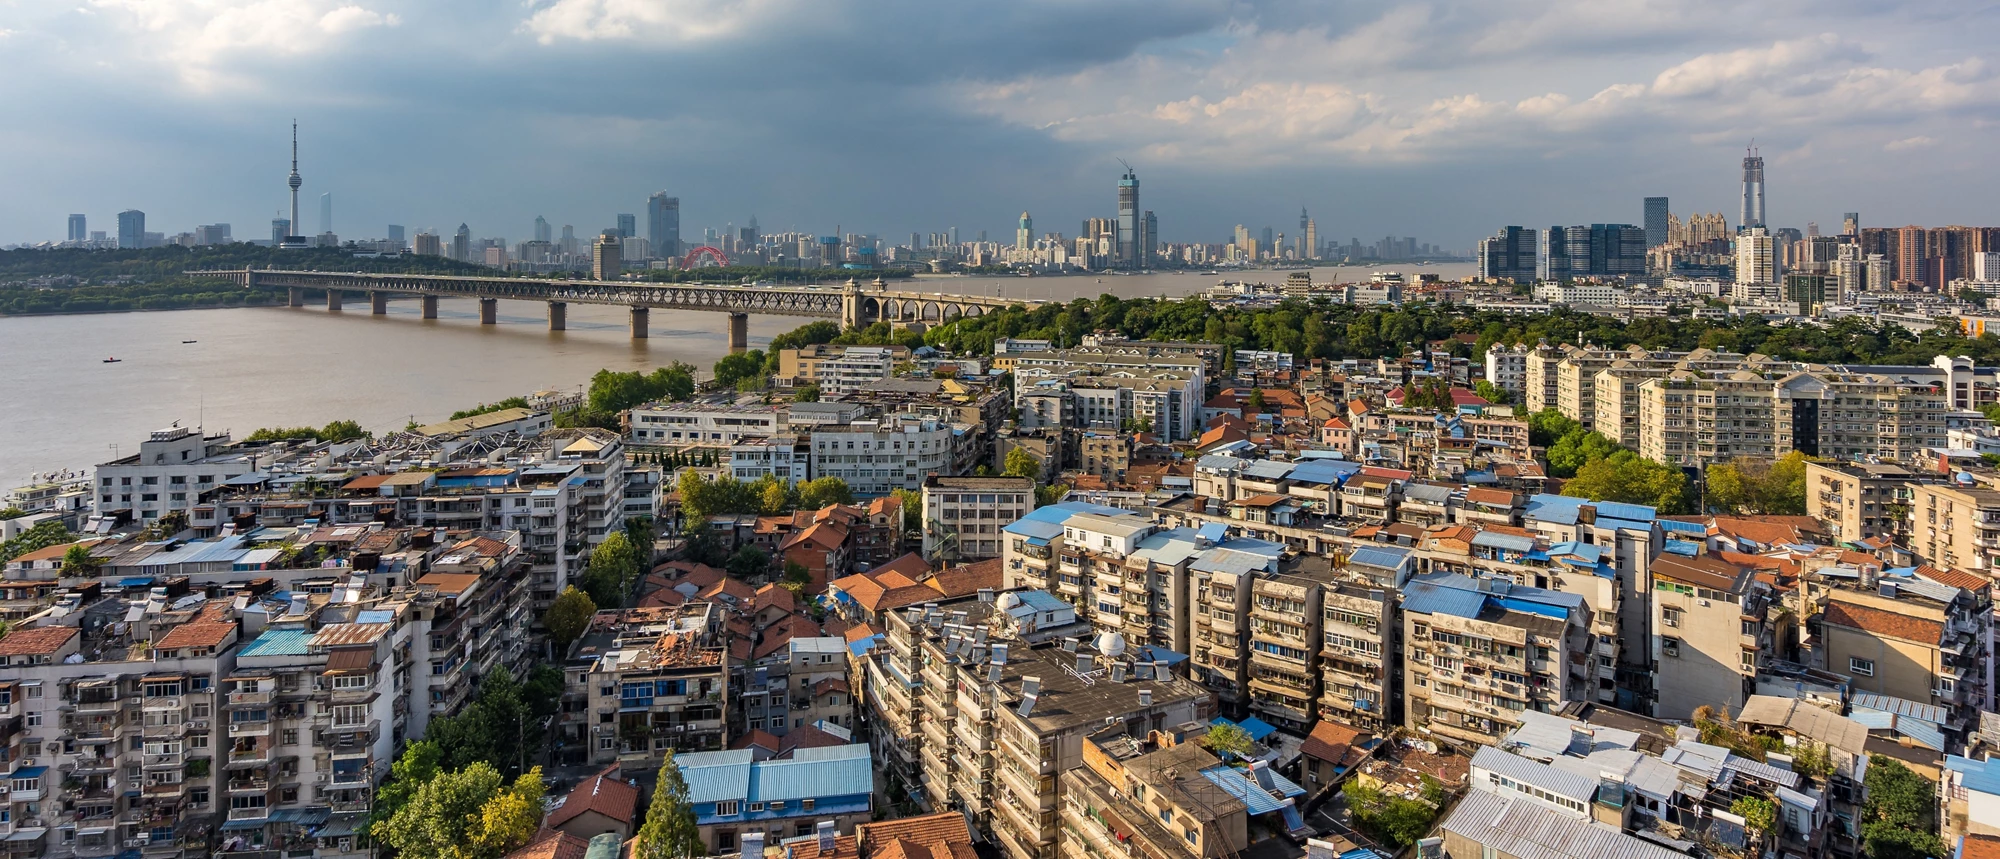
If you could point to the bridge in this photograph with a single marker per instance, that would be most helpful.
(853, 304)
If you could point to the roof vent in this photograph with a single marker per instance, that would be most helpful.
(825, 830)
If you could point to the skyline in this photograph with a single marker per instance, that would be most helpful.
(1231, 115)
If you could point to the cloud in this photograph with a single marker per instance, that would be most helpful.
(349, 18)
(669, 21)
(198, 39)
(1918, 142)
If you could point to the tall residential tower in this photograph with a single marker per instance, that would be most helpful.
(1656, 221)
(663, 224)
(1131, 250)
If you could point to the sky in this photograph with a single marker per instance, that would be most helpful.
(1441, 120)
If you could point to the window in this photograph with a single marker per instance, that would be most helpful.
(806, 804)
(1670, 616)
(350, 715)
(778, 805)
(756, 807)
(726, 808)
(1863, 667)
(1670, 646)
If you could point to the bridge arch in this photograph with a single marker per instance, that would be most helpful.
(694, 256)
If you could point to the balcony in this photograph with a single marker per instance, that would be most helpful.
(258, 728)
(250, 785)
(165, 702)
(98, 706)
(250, 757)
(164, 789)
(257, 813)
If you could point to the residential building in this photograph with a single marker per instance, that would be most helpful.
(1482, 651)
(742, 803)
(1920, 637)
(173, 467)
(1161, 795)
(1713, 626)
(875, 457)
(1689, 418)
(1507, 368)
(1952, 525)
(700, 424)
(645, 680)
(963, 516)
(1864, 500)
(859, 365)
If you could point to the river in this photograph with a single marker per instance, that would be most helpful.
(273, 366)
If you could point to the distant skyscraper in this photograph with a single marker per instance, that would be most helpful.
(1509, 255)
(396, 235)
(628, 226)
(1265, 240)
(461, 244)
(568, 243)
(1753, 190)
(77, 230)
(280, 228)
(1850, 224)
(292, 223)
(606, 261)
(1308, 235)
(1149, 238)
(326, 212)
(663, 224)
(1656, 221)
(131, 229)
(1597, 250)
(1128, 220)
(1024, 235)
(543, 232)
(428, 244)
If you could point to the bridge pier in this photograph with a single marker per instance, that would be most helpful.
(739, 333)
(558, 316)
(378, 302)
(295, 296)
(430, 307)
(333, 297)
(489, 311)
(641, 317)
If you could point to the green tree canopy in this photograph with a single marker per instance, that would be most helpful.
(568, 616)
(1626, 477)
(614, 567)
(669, 831)
(1899, 819)
(1020, 463)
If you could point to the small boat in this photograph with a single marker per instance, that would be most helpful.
(111, 360)
(184, 342)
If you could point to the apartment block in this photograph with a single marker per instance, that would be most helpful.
(170, 471)
(1954, 525)
(1163, 796)
(1921, 637)
(645, 680)
(700, 424)
(1864, 500)
(742, 803)
(1480, 652)
(1713, 627)
(963, 516)
(803, 366)
(877, 456)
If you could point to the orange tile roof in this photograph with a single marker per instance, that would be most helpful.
(50, 553)
(39, 641)
(1953, 577)
(1500, 497)
(966, 579)
(1884, 623)
(196, 634)
(450, 583)
(1980, 847)
(945, 827)
(860, 632)
(1331, 741)
(602, 794)
(911, 565)
(553, 844)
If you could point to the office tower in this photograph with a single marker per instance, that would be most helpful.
(1149, 238)
(77, 231)
(461, 244)
(1753, 190)
(1850, 224)
(628, 226)
(1756, 257)
(1986, 266)
(428, 244)
(568, 243)
(1597, 250)
(326, 212)
(131, 229)
(1024, 235)
(1656, 221)
(396, 235)
(752, 234)
(1264, 239)
(280, 228)
(663, 224)
(294, 182)
(606, 256)
(1508, 255)
(954, 236)
(543, 232)
(1309, 233)
(211, 234)
(1128, 220)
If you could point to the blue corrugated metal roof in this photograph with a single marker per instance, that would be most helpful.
(1267, 469)
(1560, 509)
(1041, 600)
(1982, 776)
(1430, 597)
(1901, 707)
(1155, 653)
(1033, 528)
(1255, 800)
(1322, 471)
(1687, 527)
(811, 773)
(1213, 532)
(1379, 556)
(1682, 548)
(278, 641)
(1622, 510)
(29, 772)
(1498, 540)
(1258, 728)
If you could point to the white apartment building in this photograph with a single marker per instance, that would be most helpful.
(875, 457)
(704, 424)
(170, 471)
(1581, 292)
(1756, 257)
(963, 515)
(854, 369)
(1507, 368)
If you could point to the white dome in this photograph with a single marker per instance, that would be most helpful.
(1008, 600)
(1111, 644)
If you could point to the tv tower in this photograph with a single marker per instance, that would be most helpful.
(295, 182)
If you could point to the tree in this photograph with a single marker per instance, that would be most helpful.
(12, 513)
(913, 508)
(77, 562)
(824, 491)
(416, 766)
(341, 431)
(1255, 402)
(1228, 738)
(613, 568)
(733, 369)
(776, 500)
(42, 536)
(442, 814)
(568, 617)
(1492, 393)
(1759, 814)
(509, 819)
(749, 562)
(1020, 463)
(1626, 477)
(1899, 820)
(807, 393)
(669, 831)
